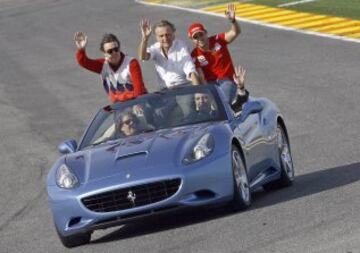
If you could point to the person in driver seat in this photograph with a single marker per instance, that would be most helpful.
(128, 124)
(204, 108)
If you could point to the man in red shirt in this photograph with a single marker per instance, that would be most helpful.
(120, 74)
(211, 55)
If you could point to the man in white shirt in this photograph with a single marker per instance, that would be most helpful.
(173, 63)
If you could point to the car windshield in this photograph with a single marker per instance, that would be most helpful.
(166, 109)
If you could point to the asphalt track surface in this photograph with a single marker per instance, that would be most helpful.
(45, 98)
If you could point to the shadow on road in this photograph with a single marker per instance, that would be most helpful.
(305, 185)
(309, 184)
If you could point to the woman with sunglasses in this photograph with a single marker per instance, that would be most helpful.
(121, 74)
(128, 124)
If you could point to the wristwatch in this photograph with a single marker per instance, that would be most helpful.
(241, 92)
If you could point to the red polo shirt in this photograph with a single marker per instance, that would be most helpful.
(216, 62)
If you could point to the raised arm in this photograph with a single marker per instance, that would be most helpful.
(145, 32)
(80, 39)
(96, 65)
(235, 27)
(239, 79)
(242, 95)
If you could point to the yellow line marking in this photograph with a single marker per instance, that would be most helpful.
(258, 11)
(354, 35)
(347, 31)
(340, 25)
(265, 16)
(295, 19)
(301, 20)
(224, 7)
(291, 18)
(322, 22)
(254, 9)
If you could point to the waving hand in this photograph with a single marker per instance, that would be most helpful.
(80, 39)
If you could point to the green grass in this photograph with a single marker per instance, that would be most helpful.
(195, 3)
(341, 8)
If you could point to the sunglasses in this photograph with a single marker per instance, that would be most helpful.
(128, 121)
(112, 50)
(201, 98)
(198, 35)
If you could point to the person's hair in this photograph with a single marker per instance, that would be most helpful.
(164, 23)
(108, 38)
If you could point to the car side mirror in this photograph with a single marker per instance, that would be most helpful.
(249, 108)
(68, 146)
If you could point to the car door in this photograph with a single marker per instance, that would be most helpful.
(247, 128)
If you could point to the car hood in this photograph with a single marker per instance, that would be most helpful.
(143, 154)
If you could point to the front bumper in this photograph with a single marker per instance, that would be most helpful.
(205, 182)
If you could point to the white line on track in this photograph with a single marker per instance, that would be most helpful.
(296, 3)
(255, 22)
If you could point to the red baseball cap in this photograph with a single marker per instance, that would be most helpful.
(195, 28)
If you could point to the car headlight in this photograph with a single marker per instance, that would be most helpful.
(65, 178)
(203, 147)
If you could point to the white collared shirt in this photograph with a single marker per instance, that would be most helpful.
(174, 70)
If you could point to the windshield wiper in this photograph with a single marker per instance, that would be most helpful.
(110, 140)
(101, 142)
(148, 130)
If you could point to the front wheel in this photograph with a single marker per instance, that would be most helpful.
(286, 163)
(242, 194)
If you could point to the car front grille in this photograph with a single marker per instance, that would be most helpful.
(131, 197)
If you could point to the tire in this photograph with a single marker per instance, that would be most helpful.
(286, 162)
(74, 240)
(242, 194)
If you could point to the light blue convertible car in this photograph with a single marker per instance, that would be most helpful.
(160, 152)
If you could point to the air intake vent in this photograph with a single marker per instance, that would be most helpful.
(131, 155)
(130, 197)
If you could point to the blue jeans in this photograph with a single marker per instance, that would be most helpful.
(228, 87)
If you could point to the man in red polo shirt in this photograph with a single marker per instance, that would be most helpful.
(211, 55)
(120, 74)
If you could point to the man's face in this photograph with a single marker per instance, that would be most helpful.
(128, 125)
(112, 52)
(201, 40)
(165, 36)
(202, 102)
